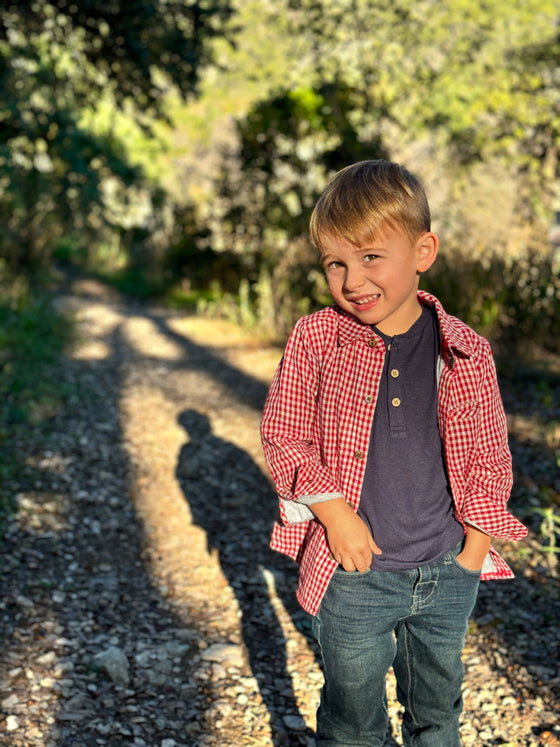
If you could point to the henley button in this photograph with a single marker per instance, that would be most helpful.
(395, 373)
(358, 455)
(395, 402)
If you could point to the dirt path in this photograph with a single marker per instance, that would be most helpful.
(140, 604)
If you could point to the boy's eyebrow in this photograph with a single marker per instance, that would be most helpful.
(370, 247)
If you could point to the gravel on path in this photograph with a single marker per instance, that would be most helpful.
(139, 601)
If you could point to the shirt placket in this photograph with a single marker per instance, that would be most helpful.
(394, 390)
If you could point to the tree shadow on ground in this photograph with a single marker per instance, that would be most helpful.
(74, 584)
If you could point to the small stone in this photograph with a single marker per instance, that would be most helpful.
(295, 723)
(113, 660)
(12, 723)
(218, 672)
(10, 702)
(22, 601)
(48, 658)
(224, 653)
(509, 700)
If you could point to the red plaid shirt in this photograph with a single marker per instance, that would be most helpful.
(317, 421)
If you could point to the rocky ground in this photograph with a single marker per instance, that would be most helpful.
(139, 603)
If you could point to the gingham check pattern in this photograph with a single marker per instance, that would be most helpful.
(317, 421)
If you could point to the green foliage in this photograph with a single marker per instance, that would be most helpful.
(446, 87)
(550, 532)
(32, 335)
(135, 48)
(61, 174)
(510, 300)
(268, 99)
(287, 146)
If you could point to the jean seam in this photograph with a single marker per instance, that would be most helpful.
(409, 706)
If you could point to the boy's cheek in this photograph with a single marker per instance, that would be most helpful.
(334, 287)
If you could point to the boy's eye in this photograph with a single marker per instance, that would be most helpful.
(370, 257)
(334, 265)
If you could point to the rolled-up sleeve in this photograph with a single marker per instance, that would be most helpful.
(287, 430)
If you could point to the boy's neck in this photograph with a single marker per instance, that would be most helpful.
(392, 326)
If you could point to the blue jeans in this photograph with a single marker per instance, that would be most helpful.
(415, 621)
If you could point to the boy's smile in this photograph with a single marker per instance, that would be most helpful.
(378, 281)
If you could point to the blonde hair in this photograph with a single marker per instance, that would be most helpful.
(363, 199)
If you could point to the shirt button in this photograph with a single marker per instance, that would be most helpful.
(395, 373)
(368, 399)
(358, 455)
(372, 342)
(395, 402)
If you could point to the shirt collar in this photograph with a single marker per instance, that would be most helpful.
(350, 329)
(454, 339)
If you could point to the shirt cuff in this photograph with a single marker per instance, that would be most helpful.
(473, 524)
(297, 511)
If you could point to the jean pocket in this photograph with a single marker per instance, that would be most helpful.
(450, 559)
(464, 569)
(340, 572)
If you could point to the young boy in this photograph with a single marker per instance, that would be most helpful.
(386, 437)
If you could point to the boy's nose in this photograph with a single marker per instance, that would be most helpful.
(353, 280)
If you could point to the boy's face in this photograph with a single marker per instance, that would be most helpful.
(378, 281)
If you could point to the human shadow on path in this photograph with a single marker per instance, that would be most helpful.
(233, 502)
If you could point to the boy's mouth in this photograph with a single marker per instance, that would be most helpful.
(364, 300)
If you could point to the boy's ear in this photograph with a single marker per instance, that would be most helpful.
(427, 249)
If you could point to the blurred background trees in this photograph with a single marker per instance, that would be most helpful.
(179, 146)
(84, 83)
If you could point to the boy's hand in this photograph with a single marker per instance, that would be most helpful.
(349, 539)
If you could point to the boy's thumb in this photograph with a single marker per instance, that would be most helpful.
(374, 546)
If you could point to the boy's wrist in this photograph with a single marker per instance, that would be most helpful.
(475, 548)
(329, 512)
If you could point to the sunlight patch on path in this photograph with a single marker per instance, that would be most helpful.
(144, 336)
(96, 322)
